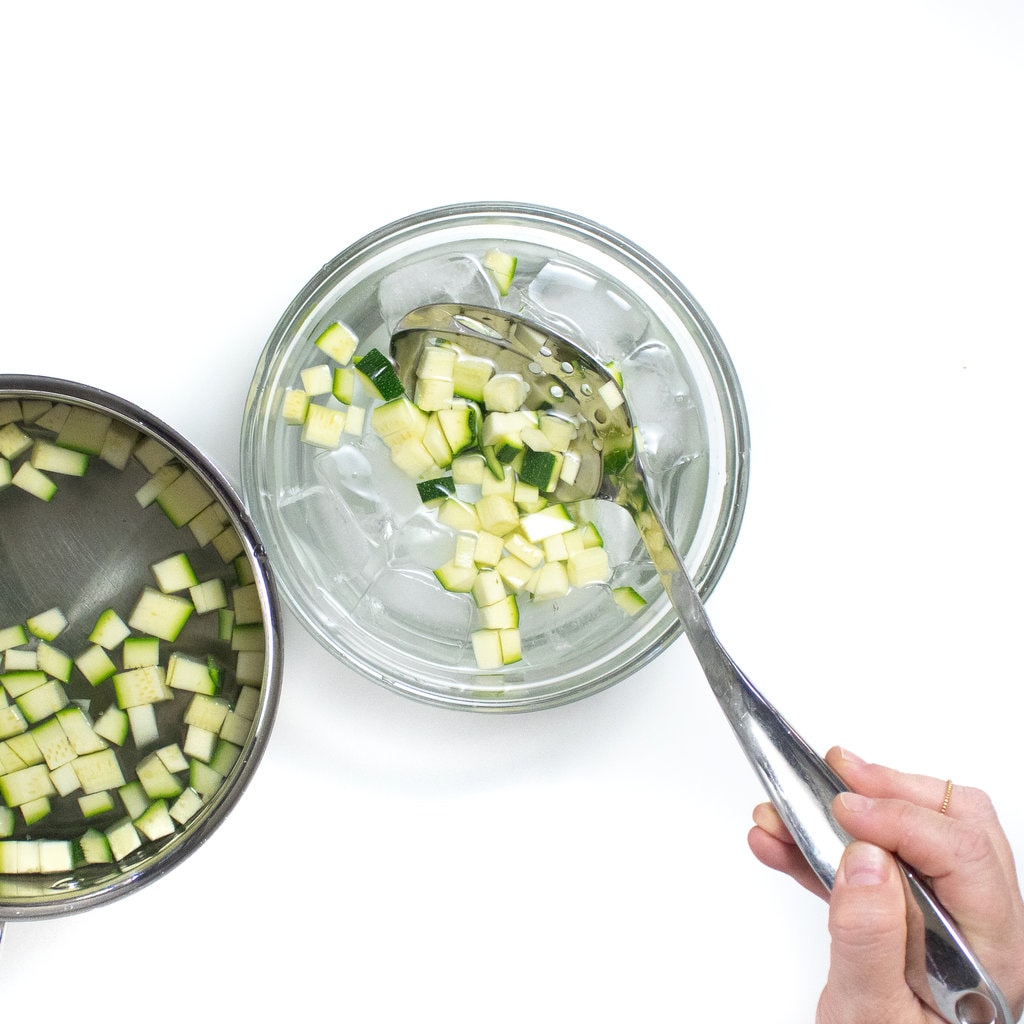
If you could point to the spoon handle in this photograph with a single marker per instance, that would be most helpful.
(941, 968)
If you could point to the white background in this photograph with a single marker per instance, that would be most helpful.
(840, 186)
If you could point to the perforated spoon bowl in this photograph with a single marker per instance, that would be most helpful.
(942, 969)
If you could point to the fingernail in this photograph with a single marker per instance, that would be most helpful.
(856, 802)
(848, 755)
(864, 864)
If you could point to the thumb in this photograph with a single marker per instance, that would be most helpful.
(868, 926)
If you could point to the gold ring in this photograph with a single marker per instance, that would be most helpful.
(945, 799)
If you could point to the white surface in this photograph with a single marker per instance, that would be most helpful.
(841, 190)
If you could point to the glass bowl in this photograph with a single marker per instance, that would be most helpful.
(352, 546)
(86, 529)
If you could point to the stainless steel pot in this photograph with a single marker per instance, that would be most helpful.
(90, 547)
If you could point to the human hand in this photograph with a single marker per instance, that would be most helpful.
(964, 854)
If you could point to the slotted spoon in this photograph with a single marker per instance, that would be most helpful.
(942, 969)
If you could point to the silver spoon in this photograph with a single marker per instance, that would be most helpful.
(942, 969)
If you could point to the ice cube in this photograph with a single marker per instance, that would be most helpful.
(335, 549)
(586, 309)
(421, 541)
(660, 398)
(407, 608)
(453, 277)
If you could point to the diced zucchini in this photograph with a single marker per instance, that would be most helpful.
(14, 442)
(143, 725)
(156, 821)
(487, 648)
(118, 444)
(338, 341)
(323, 426)
(488, 549)
(248, 636)
(245, 602)
(94, 663)
(398, 420)
(379, 375)
(64, 779)
(209, 596)
(186, 806)
(84, 430)
(20, 659)
(160, 615)
(497, 514)
(133, 798)
(228, 545)
(200, 743)
(144, 685)
(203, 779)
(97, 771)
(80, 730)
(236, 728)
(628, 599)
(157, 483)
(26, 785)
(156, 780)
(437, 362)
(34, 482)
(550, 520)
(294, 405)
(459, 515)
(434, 491)
(140, 651)
(317, 380)
(516, 544)
(109, 631)
(94, 847)
(552, 581)
(503, 614)
(54, 662)
(208, 524)
(43, 701)
(123, 839)
(172, 757)
(541, 469)
(468, 468)
(12, 636)
(355, 420)
(21, 681)
(186, 673)
(250, 668)
(470, 375)
(184, 498)
(502, 267)
(47, 625)
(152, 455)
(53, 743)
(24, 747)
(93, 804)
(112, 725)
(36, 810)
(588, 566)
(174, 573)
(224, 757)
(51, 458)
(343, 385)
(505, 392)
(456, 578)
